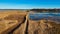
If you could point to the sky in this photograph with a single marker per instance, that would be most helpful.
(29, 4)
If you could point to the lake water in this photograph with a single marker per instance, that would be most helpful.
(38, 16)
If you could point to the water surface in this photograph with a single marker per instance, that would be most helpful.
(38, 16)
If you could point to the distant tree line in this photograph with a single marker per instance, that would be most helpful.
(46, 10)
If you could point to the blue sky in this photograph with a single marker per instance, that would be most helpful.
(28, 4)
